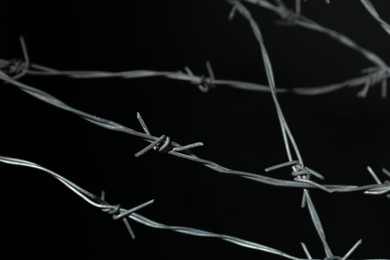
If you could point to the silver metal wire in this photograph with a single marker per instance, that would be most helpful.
(185, 154)
(303, 174)
(10, 71)
(118, 212)
(295, 18)
(372, 11)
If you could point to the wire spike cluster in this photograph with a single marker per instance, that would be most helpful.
(117, 213)
(204, 83)
(163, 143)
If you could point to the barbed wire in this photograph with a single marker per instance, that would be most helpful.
(13, 70)
(183, 152)
(287, 136)
(372, 76)
(119, 213)
(294, 18)
(20, 68)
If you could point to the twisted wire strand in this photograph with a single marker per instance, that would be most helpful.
(373, 12)
(381, 73)
(39, 70)
(301, 20)
(287, 135)
(206, 81)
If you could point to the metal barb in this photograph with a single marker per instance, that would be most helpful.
(232, 12)
(374, 176)
(143, 125)
(128, 227)
(358, 243)
(385, 171)
(281, 165)
(307, 253)
(298, 6)
(128, 212)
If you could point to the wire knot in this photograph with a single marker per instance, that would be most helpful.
(12, 67)
(288, 17)
(163, 144)
(113, 211)
(299, 170)
(118, 212)
(204, 83)
(16, 68)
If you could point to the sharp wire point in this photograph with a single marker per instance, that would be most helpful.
(232, 12)
(142, 123)
(188, 70)
(128, 227)
(130, 211)
(307, 253)
(374, 176)
(25, 51)
(298, 7)
(303, 201)
(385, 171)
(315, 173)
(281, 165)
(211, 74)
(358, 243)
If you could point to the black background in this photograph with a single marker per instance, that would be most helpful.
(338, 134)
